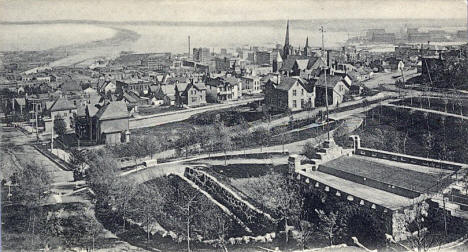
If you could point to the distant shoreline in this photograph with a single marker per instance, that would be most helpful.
(331, 24)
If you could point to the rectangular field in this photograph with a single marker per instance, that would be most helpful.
(386, 171)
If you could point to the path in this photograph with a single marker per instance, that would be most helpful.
(180, 115)
(62, 181)
(426, 110)
(142, 174)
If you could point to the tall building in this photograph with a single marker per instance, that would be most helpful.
(287, 48)
(265, 57)
(201, 54)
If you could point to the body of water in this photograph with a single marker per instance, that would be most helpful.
(42, 37)
(160, 38)
(174, 37)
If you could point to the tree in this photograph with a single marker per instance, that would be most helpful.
(309, 150)
(78, 160)
(244, 138)
(92, 227)
(186, 205)
(284, 201)
(148, 206)
(52, 227)
(60, 127)
(150, 145)
(329, 225)
(305, 233)
(223, 137)
(261, 135)
(32, 191)
(214, 223)
(413, 221)
(186, 140)
(123, 192)
(428, 143)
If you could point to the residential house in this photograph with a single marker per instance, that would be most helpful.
(85, 121)
(289, 93)
(251, 85)
(112, 123)
(106, 86)
(194, 94)
(133, 100)
(336, 88)
(139, 86)
(65, 109)
(225, 88)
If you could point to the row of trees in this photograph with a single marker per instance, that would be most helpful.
(167, 200)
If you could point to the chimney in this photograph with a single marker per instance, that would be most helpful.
(188, 47)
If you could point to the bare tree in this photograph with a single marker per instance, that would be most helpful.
(305, 233)
(329, 225)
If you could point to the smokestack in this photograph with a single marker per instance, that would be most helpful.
(188, 46)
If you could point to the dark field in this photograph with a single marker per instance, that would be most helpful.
(400, 177)
(236, 171)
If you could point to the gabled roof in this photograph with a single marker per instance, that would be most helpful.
(91, 108)
(302, 63)
(288, 64)
(62, 104)
(199, 85)
(286, 83)
(21, 101)
(332, 81)
(113, 110)
(131, 97)
(70, 86)
(222, 81)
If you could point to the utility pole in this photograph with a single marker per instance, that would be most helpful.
(52, 136)
(326, 87)
(37, 130)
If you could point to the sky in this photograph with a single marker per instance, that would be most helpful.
(226, 10)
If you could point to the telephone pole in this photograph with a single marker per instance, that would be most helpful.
(326, 87)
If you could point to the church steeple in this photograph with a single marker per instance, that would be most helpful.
(306, 47)
(287, 49)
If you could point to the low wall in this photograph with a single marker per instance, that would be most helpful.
(370, 182)
(256, 220)
(408, 159)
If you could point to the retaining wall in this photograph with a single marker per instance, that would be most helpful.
(258, 221)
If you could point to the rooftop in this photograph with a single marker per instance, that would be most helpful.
(113, 110)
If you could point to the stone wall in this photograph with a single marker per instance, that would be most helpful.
(258, 221)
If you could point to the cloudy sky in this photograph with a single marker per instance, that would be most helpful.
(227, 10)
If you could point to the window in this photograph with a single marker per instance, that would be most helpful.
(194, 99)
(294, 92)
(302, 91)
(302, 102)
(294, 103)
